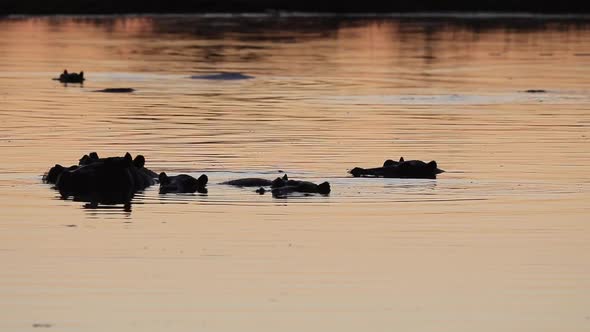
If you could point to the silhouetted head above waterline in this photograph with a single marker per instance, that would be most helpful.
(114, 179)
(110, 180)
(224, 76)
(402, 169)
(67, 77)
(258, 182)
(182, 183)
(305, 187)
(116, 90)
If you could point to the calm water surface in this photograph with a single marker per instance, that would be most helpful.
(500, 242)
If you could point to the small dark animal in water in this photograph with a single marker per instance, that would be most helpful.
(281, 186)
(536, 91)
(377, 171)
(66, 77)
(258, 182)
(182, 183)
(223, 77)
(415, 169)
(116, 90)
(306, 187)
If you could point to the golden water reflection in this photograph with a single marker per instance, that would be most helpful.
(498, 242)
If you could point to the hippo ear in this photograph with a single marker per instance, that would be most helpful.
(278, 182)
(432, 165)
(324, 188)
(139, 161)
(401, 159)
(285, 177)
(81, 74)
(163, 178)
(93, 155)
(128, 159)
(203, 179)
(84, 160)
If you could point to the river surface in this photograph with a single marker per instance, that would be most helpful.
(499, 242)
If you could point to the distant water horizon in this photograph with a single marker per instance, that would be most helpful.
(36, 7)
(287, 14)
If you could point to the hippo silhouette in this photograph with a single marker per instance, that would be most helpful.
(102, 179)
(258, 182)
(415, 169)
(229, 76)
(182, 183)
(281, 186)
(294, 186)
(377, 171)
(116, 90)
(66, 77)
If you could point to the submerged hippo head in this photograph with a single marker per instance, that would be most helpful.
(434, 167)
(418, 169)
(202, 180)
(324, 188)
(389, 162)
(280, 181)
(357, 171)
(164, 178)
(67, 77)
(54, 173)
(182, 183)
